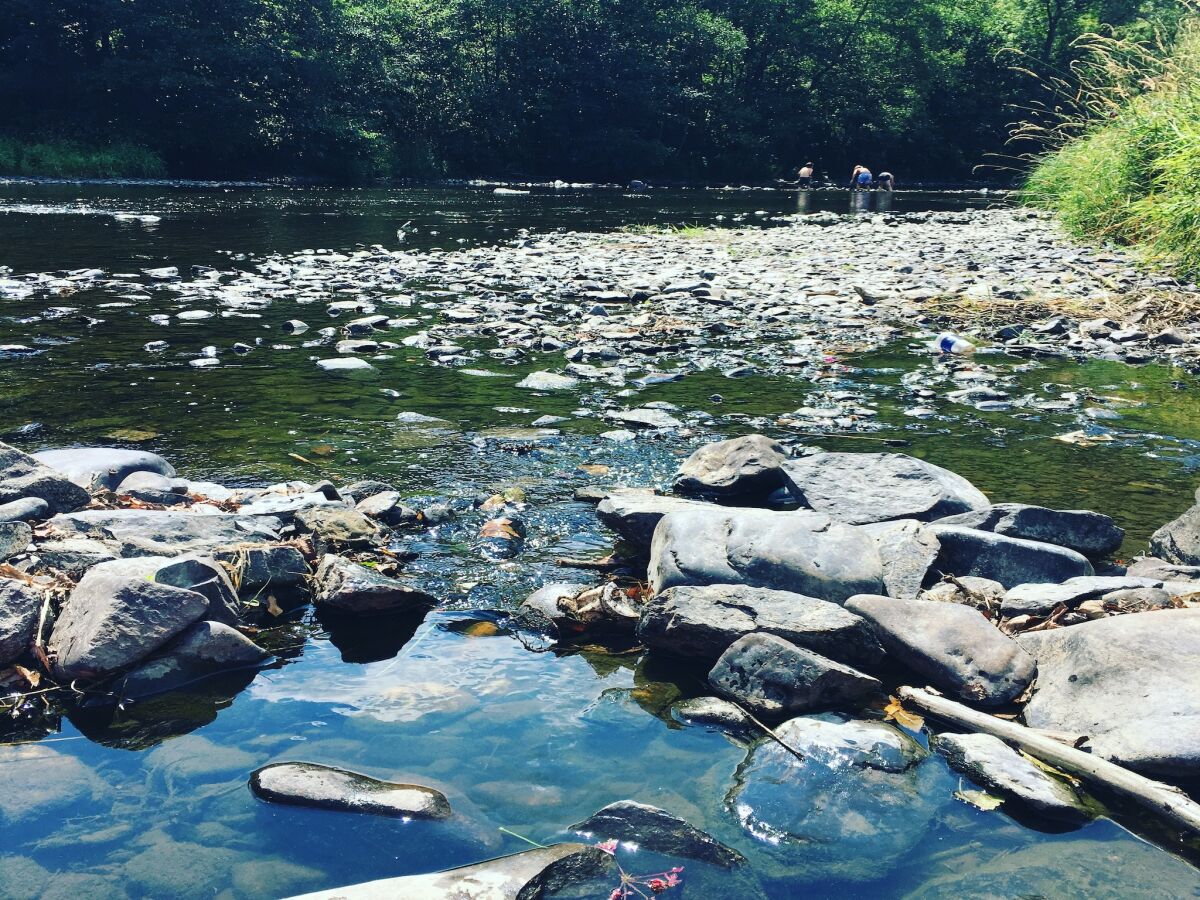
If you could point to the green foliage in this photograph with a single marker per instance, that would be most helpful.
(1132, 176)
(578, 89)
(69, 159)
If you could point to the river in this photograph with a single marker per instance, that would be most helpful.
(151, 801)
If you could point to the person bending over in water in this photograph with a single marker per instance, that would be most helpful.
(860, 178)
(805, 176)
(886, 181)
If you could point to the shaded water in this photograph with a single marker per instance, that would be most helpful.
(151, 801)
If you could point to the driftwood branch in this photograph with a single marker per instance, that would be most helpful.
(1162, 799)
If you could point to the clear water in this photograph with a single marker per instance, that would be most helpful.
(151, 801)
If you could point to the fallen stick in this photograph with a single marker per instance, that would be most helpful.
(1162, 799)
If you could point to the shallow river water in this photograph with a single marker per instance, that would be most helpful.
(151, 801)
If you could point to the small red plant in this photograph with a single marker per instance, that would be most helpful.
(644, 886)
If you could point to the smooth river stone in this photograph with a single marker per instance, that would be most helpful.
(310, 784)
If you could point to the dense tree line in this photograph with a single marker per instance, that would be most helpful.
(577, 89)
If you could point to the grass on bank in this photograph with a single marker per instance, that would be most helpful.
(1132, 175)
(72, 159)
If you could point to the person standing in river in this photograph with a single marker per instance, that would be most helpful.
(805, 176)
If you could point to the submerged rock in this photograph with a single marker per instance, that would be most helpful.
(745, 466)
(20, 607)
(802, 552)
(23, 477)
(94, 468)
(953, 646)
(712, 711)
(342, 586)
(1010, 561)
(1127, 682)
(1090, 533)
(548, 381)
(204, 649)
(112, 621)
(310, 784)
(658, 831)
(857, 488)
(702, 622)
(776, 678)
(991, 763)
(522, 876)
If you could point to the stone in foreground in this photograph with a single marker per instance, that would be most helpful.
(1129, 683)
(343, 586)
(701, 623)
(658, 831)
(907, 549)
(205, 649)
(1090, 533)
(20, 607)
(310, 784)
(634, 514)
(23, 477)
(112, 621)
(857, 488)
(522, 876)
(1179, 540)
(1010, 561)
(750, 466)
(991, 763)
(776, 678)
(803, 552)
(953, 646)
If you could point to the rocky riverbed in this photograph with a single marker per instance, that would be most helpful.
(526, 634)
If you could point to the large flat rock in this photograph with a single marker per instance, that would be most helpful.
(145, 532)
(634, 514)
(1010, 561)
(857, 488)
(1129, 683)
(94, 468)
(1090, 533)
(23, 477)
(326, 787)
(802, 552)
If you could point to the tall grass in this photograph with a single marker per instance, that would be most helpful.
(1123, 158)
(71, 159)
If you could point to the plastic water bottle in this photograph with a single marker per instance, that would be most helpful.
(948, 342)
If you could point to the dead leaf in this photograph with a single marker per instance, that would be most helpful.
(322, 450)
(978, 799)
(481, 629)
(594, 469)
(133, 435)
(1082, 438)
(895, 712)
(31, 677)
(273, 606)
(496, 501)
(299, 458)
(499, 528)
(1051, 770)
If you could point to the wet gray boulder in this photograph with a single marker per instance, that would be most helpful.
(856, 488)
(1179, 540)
(15, 537)
(992, 764)
(1128, 683)
(27, 509)
(750, 466)
(1161, 570)
(23, 477)
(260, 565)
(1010, 561)
(907, 549)
(96, 468)
(1041, 599)
(802, 552)
(336, 526)
(1090, 533)
(522, 876)
(342, 586)
(387, 507)
(953, 646)
(712, 711)
(113, 621)
(773, 677)
(204, 649)
(310, 784)
(658, 831)
(20, 607)
(203, 575)
(548, 381)
(152, 532)
(701, 622)
(635, 514)
(856, 801)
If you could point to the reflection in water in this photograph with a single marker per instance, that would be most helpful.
(804, 201)
(860, 201)
(883, 201)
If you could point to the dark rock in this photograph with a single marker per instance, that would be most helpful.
(1127, 682)
(994, 765)
(907, 549)
(801, 552)
(1179, 540)
(74, 556)
(22, 477)
(263, 565)
(27, 509)
(347, 587)
(522, 876)
(94, 468)
(310, 784)
(702, 622)
(1010, 561)
(361, 490)
(953, 646)
(1092, 534)
(112, 621)
(658, 831)
(20, 607)
(634, 514)
(776, 678)
(204, 649)
(15, 537)
(336, 526)
(745, 466)
(856, 488)
(712, 711)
